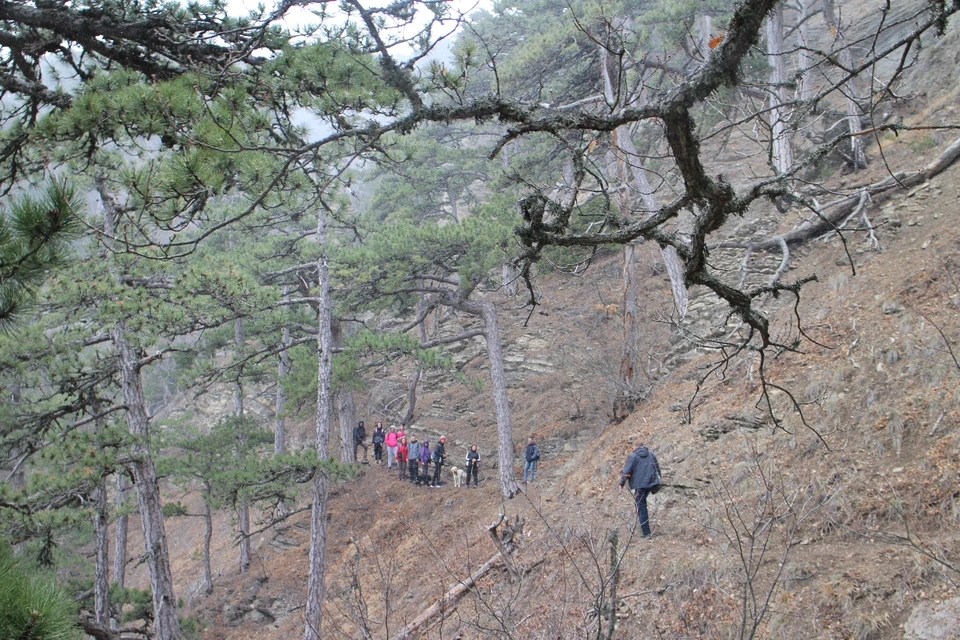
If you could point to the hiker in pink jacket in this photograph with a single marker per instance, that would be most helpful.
(391, 442)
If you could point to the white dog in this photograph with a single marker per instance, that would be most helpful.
(458, 476)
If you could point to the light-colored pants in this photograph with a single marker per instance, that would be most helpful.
(391, 455)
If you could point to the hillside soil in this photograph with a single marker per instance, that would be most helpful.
(825, 508)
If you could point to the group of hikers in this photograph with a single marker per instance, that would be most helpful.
(641, 471)
(412, 457)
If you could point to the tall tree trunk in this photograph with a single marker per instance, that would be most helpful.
(634, 176)
(347, 415)
(418, 374)
(17, 477)
(101, 553)
(858, 156)
(279, 420)
(452, 196)
(634, 180)
(120, 532)
(412, 397)
(509, 275)
(321, 490)
(101, 579)
(805, 88)
(207, 538)
(165, 624)
(346, 409)
(782, 149)
(487, 312)
(623, 403)
(706, 29)
(243, 509)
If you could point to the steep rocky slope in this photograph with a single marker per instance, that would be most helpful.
(837, 521)
(860, 503)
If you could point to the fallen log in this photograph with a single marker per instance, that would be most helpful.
(450, 598)
(840, 209)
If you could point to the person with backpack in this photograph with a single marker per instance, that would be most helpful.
(359, 440)
(642, 471)
(425, 459)
(530, 455)
(402, 457)
(473, 463)
(391, 441)
(439, 455)
(378, 437)
(413, 456)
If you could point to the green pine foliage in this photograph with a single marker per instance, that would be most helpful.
(34, 238)
(232, 464)
(32, 606)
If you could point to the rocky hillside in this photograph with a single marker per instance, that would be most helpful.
(826, 508)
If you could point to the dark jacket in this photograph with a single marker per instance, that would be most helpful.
(439, 452)
(359, 434)
(473, 457)
(531, 452)
(641, 469)
(379, 435)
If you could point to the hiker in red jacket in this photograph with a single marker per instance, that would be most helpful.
(402, 457)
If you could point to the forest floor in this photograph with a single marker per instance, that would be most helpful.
(863, 496)
(838, 522)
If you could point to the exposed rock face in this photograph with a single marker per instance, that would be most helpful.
(744, 420)
(932, 621)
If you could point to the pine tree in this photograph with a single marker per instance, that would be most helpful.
(32, 606)
(34, 238)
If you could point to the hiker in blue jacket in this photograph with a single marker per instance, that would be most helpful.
(642, 471)
(425, 459)
(531, 454)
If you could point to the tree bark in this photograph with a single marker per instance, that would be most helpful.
(165, 624)
(879, 192)
(346, 409)
(805, 86)
(487, 312)
(509, 276)
(450, 598)
(279, 420)
(207, 538)
(18, 478)
(120, 533)
(318, 516)
(412, 397)
(243, 509)
(706, 29)
(415, 381)
(782, 149)
(110, 215)
(858, 156)
(101, 579)
(347, 415)
(634, 180)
